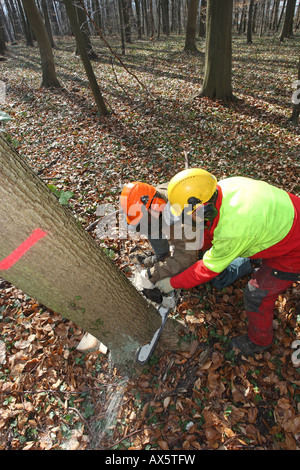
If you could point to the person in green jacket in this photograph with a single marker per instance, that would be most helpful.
(249, 218)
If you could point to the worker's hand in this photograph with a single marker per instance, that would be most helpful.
(142, 280)
(164, 285)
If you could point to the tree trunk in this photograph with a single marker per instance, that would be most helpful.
(47, 23)
(138, 18)
(249, 22)
(202, 23)
(218, 56)
(151, 19)
(165, 17)
(85, 58)
(287, 29)
(62, 267)
(122, 27)
(274, 16)
(53, 18)
(47, 59)
(82, 21)
(190, 36)
(26, 26)
(126, 18)
(3, 48)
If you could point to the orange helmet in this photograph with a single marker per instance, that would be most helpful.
(134, 196)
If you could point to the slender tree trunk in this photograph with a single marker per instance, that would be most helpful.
(122, 27)
(97, 15)
(47, 23)
(179, 16)
(138, 17)
(126, 17)
(218, 55)
(53, 18)
(274, 18)
(165, 17)
(249, 22)
(7, 31)
(46, 254)
(281, 14)
(3, 47)
(151, 19)
(190, 36)
(202, 23)
(82, 21)
(85, 58)
(48, 67)
(26, 25)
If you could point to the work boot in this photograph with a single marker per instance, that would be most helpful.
(246, 346)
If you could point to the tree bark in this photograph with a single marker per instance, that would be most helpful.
(82, 21)
(47, 23)
(218, 55)
(202, 22)
(190, 36)
(65, 270)
(3, 47)
(287, 29)
(26, 26)
(48, 67)
(165, 17)
(249, 22)
(126, 18)
(103, 111)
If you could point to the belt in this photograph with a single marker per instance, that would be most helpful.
(286, 276)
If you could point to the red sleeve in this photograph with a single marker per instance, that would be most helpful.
(193, 276)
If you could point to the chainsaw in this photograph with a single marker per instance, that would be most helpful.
(145, 352)
(162, 302)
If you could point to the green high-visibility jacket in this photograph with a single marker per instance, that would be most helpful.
(253, 217)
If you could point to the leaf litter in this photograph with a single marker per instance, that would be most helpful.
(54, 396)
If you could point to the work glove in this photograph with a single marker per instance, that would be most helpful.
(164, 285)
(142, 280)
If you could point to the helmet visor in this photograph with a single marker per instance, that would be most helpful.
(169, 214)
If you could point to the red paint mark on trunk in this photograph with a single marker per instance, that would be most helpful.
(11, 259)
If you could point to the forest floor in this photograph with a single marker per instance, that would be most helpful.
(52, 395)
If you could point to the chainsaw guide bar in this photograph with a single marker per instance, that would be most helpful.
(145, 352)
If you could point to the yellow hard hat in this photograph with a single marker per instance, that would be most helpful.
(190, 188)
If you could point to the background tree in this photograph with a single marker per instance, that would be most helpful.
(218, 54)
(103, 111)
(190, 36)
(47, 22)
(82, 21)
(202, 18)
(3, 47)
(249, 21)
(26, 26)
(65, 270)
(47, 60)
(287, 29)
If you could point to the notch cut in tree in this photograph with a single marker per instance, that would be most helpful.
(46, 254)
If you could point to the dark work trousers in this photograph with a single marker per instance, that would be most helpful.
(259, 299)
